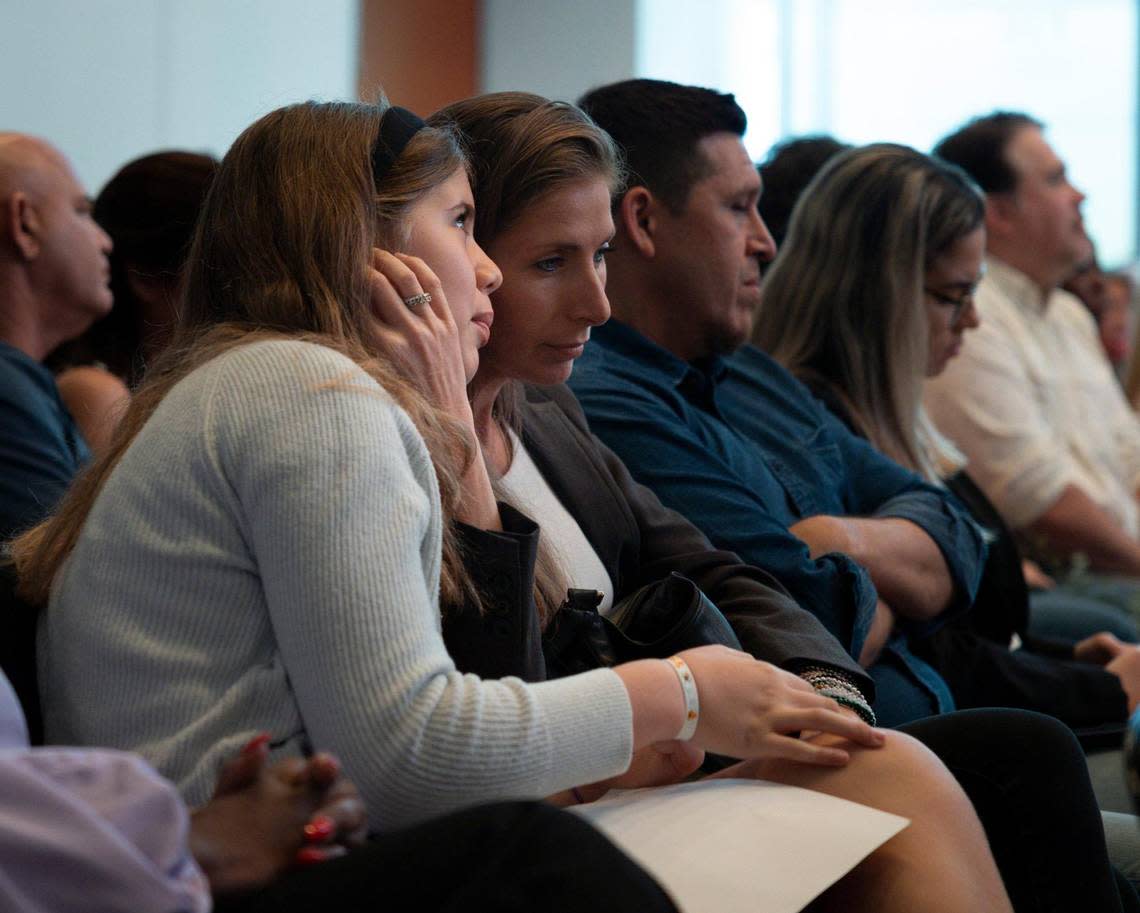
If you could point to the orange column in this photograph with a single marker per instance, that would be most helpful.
(422, 53)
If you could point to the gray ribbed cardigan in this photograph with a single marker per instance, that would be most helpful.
(266, 557)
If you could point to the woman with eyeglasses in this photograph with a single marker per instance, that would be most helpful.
(871, 294)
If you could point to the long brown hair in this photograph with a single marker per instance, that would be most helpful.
(842, 303)
(282, 250)
(521, 147)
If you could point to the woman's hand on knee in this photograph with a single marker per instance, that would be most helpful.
(752, 709)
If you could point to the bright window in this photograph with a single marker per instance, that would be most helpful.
(910, 71)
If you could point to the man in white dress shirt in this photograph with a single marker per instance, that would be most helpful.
(1032, 399)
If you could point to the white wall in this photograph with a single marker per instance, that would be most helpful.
(913, 70)
(901, 70)
(109, 80)
(556, 48)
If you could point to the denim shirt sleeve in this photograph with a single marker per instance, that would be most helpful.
(669, 455)
(886, 489)
(957, 536)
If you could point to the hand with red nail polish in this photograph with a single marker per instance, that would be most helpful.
(320, 829)
(256, 746)
(309, 855)
(265, 819)
(243, 770)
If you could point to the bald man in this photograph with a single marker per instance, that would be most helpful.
(54, 283)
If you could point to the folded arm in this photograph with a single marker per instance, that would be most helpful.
(1075, 523)
(732, 505)
(906, 566)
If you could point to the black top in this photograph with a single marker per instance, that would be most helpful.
(639, 541)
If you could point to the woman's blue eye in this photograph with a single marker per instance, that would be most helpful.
(550, 264)
(600, 253)
(462, 218)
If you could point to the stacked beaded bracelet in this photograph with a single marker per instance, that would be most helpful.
(692, 700)
(834, 684)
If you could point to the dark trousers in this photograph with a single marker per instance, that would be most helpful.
(1026, 775)
(513, 857)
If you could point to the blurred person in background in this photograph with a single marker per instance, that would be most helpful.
(1032, 400)
(1108, 296)
(149, 209)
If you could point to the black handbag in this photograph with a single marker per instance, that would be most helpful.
(660, 619)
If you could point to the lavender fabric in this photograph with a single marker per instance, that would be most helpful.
(89, 829)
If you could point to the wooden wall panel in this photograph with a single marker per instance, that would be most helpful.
(422, 53)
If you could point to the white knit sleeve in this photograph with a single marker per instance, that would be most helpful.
(342, 515)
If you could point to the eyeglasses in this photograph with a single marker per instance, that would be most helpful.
(958, 305)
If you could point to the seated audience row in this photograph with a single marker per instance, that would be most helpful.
(280, 474)
(305, 524)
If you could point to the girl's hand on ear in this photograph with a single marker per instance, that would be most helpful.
(422, 339)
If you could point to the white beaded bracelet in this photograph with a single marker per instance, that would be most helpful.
(692, 701)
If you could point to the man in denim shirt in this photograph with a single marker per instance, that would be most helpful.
(736, 444)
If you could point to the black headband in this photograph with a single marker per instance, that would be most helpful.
(397, 127)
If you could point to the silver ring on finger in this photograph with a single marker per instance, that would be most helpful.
(416, 300)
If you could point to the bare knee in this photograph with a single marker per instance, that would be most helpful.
(907, 768)
(903, 776)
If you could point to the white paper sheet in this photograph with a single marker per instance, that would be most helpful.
(741, 846)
